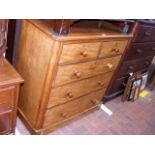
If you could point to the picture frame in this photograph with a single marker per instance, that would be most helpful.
(144, 81)
(133, 87)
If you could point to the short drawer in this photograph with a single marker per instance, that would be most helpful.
(134, 66)
(111, 48)
(141, 50)
(5, 122)
(74, 90)
(145, 34)
(69, 73)
(66, 111)
(73, 53)
(6, 97)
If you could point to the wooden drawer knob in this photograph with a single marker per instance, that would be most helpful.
(101, 83)
(84, 54)
(94, 102)
(147, 63)
(70, 94)
(77, 74)
(147, 34)
(153, 49)
(63, 114)
(124, 84)
(139, 51)
(109, 65)
(116, 50)
(131, 67)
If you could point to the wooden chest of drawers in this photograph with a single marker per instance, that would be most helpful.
(65, 76)
(9, 90)
(138, 57)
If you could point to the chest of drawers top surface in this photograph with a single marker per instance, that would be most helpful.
(78, 33)
(8, 75)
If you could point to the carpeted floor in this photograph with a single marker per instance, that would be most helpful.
(127, 119)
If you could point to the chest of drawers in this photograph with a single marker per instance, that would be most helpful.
(137, 57)
(65, 76)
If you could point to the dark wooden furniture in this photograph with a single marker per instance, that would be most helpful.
(138, 57)
(65, 76)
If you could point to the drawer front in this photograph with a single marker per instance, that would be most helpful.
(145, 34)
(65, 111)
(134, 66)
(70, 73)
(141, 50)
(73, 53)
(112, 48)
(6, 97)
(69, 92)
(5, 122)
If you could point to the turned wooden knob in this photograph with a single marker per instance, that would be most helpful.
(77, 74)
(63, 114)
(131, 67)
(147, 62)
(109, 65)
(84, 54)
(124, 84)
(116, 50)
(94, 102)
(101, 83)
(147, 34)
(70, 94)
(139, 51)
(153, 49)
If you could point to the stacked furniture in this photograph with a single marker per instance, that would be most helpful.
(137, 58)
(9, 87)
(65, 76)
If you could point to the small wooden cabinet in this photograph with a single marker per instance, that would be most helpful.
(9, 90)
(65, 76)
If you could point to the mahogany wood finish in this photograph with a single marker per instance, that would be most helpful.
(65, 76)
(9, 86)
(138, 57)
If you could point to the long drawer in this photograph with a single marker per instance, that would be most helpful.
(69, 92)
(111, 48)
(134, 66)
(145, 34)
(69, 73)
(141, 50)
(73, 53)
(65, 111)
(6, 97)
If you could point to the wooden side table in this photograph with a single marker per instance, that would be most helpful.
(10, 82)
